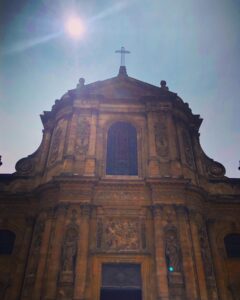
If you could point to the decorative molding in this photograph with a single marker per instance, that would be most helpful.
(120, 195)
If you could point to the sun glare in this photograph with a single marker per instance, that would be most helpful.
(74, 27)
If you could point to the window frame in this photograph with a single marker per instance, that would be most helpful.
(137, 127)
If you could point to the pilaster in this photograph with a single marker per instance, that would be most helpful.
(195, 220)
(153, 165)
(53, 263)
(218, 258)
(189, 269)
(161, 267)
(22, 260)
(82, 255)
(43, 256)
(90, 166)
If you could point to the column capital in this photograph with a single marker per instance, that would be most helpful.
(60, 209)
(86, 209)
(181, 209)
(195, 216)
(30, 220)
(157, 210)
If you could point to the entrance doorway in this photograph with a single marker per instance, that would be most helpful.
(121, 282)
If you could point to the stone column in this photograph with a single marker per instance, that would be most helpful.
(15, 292)
(161, 267)
(53, 262)
(90, 166)
(192, 290)
(153, 165)
(195, 222)
(43, 257)
(82, 255)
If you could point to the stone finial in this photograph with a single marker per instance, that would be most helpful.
(163, 84)
(81, 83)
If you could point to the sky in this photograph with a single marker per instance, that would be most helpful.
(193, 45)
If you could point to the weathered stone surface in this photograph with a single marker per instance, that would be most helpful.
(71, 218)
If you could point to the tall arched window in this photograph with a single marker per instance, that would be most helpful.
(232, 244)
(7, 239)
(122, 150)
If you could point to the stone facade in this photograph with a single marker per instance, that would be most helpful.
(70, 218)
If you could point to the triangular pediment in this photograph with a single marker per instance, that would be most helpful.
(123, 87)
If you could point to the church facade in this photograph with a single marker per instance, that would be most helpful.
(119, 202)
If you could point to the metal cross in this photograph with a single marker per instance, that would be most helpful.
(123, 52)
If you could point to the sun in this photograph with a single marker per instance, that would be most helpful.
(75, 27)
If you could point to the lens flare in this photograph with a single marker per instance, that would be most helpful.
(74, 27)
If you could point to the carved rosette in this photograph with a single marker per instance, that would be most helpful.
(121, 235)
(161, 139)
(188, 149)
(55, 145)
(82, 137)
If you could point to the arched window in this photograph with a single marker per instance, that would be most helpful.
(7, 239)
(122, 150)
(232, 244)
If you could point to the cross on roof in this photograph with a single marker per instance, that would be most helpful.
(123, 52)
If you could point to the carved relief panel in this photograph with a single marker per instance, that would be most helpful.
(121, 235)
(188, 152)
(161, 139)
(57, 142)
(173, 256)
(82, 137)
(57, 136)
(68, 259)
(173, 250)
